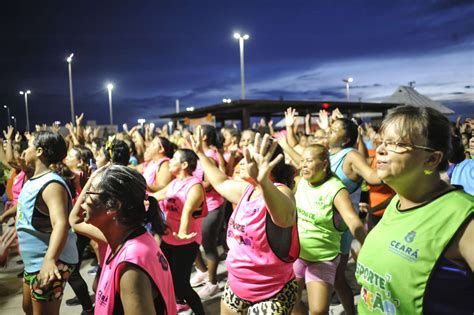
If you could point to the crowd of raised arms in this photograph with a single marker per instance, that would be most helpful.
(286, 209)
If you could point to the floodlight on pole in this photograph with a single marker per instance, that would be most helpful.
(71, 95)
(8, 113)
(26, 107)
(241, 39)
(347, 81)
(14, 121)
(110, 87)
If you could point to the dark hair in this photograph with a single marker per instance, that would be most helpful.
(210, 133)
(350, 132)
(117, 179)
(53, 145)
(168, 146)
(234, 133)
(117, 151)
(414, 122)
(98, 142)
(282, 172)
(131, 145)
(54, 151)
(190, 157)
(86, 154)
(458, 154)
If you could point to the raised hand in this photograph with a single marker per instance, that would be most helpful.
(290, 117)
(125, 128)
(197, 140)
(79, 119)
(323, 119)
(336, 114)
(70, 127)
(9, 133)
(259, 163)
(18, 136)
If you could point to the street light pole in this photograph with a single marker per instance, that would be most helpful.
(242, 76)
(71, 96)
(14, 121)
(26, 107)
(347, 81)
(110, 87)
(8, 112)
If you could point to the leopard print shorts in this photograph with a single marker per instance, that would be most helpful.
(281, 303)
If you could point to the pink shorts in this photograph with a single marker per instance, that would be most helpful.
(316, 271)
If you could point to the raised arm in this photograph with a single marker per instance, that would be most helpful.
(343, 204)
(229, 189)
(290, 121)
(279, 200)
(76, 217)
(359, 165)
(295, 156)
(9, 156)
(163, 177)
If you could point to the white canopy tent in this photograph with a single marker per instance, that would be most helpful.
(409, 96)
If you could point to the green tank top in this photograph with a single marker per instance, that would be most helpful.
(319, 237)
(399, 254)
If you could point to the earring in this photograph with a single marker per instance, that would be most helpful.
(427, 172)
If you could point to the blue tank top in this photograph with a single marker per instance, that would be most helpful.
(337, 161)
(34, 228)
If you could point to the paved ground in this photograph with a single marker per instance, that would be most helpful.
(11, 304)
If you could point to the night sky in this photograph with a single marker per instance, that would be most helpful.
(157, 51)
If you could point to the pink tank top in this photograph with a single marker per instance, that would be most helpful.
(144, 252)
(213, 199)
(151, 167)
(173, 205)
(255, 273)
(18, 182)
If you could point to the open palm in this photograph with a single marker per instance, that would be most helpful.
(259, 161)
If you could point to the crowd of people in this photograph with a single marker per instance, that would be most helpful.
(286, 209)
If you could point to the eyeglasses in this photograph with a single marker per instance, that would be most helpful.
(400, 147)
(94, 193)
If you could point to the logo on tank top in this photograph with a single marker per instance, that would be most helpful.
(102, 298)
(404, 249)
(163, 262)
(410, 237)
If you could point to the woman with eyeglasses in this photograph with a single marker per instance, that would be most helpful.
(419, 258)
(262, 235)
(135, 277)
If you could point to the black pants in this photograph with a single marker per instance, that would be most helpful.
(181, 259)
(78, 285)
(211, 227)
